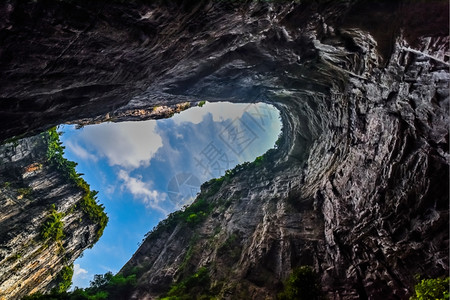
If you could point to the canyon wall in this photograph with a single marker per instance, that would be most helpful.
(358, 187)
(44, 226)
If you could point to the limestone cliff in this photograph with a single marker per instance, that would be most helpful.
(33, 193)
(359, 185)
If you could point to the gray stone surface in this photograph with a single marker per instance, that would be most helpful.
(29, 187)
(359, 185)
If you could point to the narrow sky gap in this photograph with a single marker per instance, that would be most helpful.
(145, 170)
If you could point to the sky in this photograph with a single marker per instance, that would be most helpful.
(148, 169)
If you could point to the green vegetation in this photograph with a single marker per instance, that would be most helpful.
(303, 283)
(13, 257)
(64, 279)
(95, 211)
(192, 215)
(214, 184)
(25, 192)
(13, 140)
(201, 103)
(53, 226)
(231, 247)
(197, 212)
(89, 205)
(107, 286)
(136, 270)
(196, 218)
(187, 258)
(193, 287)
(110, 286)
(432, 289)
(258, 161)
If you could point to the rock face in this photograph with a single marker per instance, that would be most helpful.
(359, 185)
(30, 188)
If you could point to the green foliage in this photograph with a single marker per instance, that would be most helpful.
(303, 283)
(231, 247)
(64, 279)
(258, 161)
(187, 258)
(196, 218)
(95, 212)
(107, 286)
(190, 288)
(53, 226)
(39, 296)
(55, 152)
(432, 289)
(193, 214)
(212, 187)
(197, 212)
(201, 103)
(13, 257)
(14, 140)
(101, 280)
(214, 184)
(25, 192)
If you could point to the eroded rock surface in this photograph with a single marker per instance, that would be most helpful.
(30, 187)
(359, 185)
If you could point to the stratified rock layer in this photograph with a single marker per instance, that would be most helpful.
(359, 185)
(29, 188)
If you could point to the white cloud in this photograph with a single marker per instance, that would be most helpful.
(229, 111)
(78, 271)
(142, 191)
(80, 276)
(80, 151)
(110, 189)
(193, 115)
(126, 144)
(220, 112)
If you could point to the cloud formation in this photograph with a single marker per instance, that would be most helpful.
(142, 191)
(128, 144)
(78, 271)
(80, 276)
(80, 151)
(219, 112)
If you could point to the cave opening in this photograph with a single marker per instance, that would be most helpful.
(358, 187)
(145, 170)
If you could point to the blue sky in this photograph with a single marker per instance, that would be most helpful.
(145, 170)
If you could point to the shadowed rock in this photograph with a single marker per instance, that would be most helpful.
(358, 187)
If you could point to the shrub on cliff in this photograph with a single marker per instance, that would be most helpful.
(55, 157)
(193, 214)
(64, 279)
(53, 226)
(303, 283)
(432, 289)
(108, 286)
(103, 287)
(190, 288)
